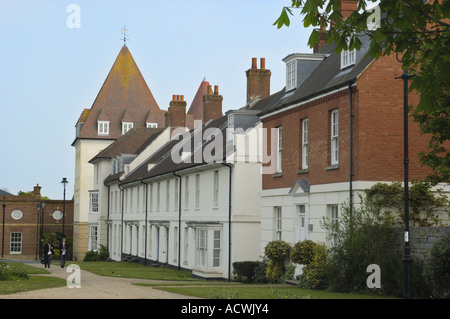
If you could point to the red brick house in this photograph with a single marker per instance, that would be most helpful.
(25, 217)
(339, 119)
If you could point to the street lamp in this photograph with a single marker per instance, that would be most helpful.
(3, 227)
(64, 182)
(41, 207)
(406, 256)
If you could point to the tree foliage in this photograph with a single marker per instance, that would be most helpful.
(418, 32)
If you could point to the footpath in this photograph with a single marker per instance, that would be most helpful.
(94, 287)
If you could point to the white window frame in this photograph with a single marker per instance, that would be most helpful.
(93, 237)
(197, 191)
(202, 248)
(334, 137)
(168, 194)
(15, 243)
(103, 127)
(176, 190)
(217, 244)
(230, 127)
(305, 125)
(291, 75)
(93, 202)
(216, 189)
(278, 212)
(186, 192)
(152, 125)
(279, 148)
(126, 126)
(348, 58)
(334, 218)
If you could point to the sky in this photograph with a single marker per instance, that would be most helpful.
(55, 57)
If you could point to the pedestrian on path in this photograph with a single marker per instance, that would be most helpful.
(63, 247)
(48, 252)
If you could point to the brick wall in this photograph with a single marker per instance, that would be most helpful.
(377, 133)
(29, 224)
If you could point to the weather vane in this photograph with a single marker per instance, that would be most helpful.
(124, 33)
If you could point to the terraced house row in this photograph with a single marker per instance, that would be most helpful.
(198, 188)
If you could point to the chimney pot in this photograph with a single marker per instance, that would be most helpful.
(254, 63)
(174, 97)
(208, 90)
(181, 97)
(216, 90)
(263, 63)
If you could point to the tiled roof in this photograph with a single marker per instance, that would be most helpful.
(196, 108)
(132, 142)
(123, 92)
(327, 77)
(162, 159)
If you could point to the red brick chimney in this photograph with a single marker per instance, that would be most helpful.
(348, 7)
(176, 114)
(322, 38)
(212, 104)
(258, 81)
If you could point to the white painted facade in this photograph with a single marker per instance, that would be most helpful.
(188, 227)
(85, 150)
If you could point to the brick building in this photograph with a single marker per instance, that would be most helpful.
(334, 130)
(24, 219)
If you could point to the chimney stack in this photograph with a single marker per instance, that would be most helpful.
(258, 81)
(176, 114)
(322, 38)
(348, 7)
(212, 104)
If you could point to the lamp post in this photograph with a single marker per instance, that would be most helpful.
(3, 227)
(406, 257)
(38, 209)
(41, 237)
(64, 182)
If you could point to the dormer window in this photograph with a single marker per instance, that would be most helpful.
(103, 127)
(291, 75)
(152, 125)
(348, 58)
(126, 126)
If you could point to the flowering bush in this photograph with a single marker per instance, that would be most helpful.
(303, 252)
(278, 250)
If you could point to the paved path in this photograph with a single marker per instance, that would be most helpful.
(95, 287)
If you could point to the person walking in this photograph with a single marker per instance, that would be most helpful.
(48, 252)
(63, 247)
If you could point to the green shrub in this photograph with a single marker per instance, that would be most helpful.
(245, 270)
(275, 271)
(315, 274)
(278, 250)
(303, 252)
(101, 254)
(8, 272)
(437, 268)
(260, 271)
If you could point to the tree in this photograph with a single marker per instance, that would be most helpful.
(419, 33)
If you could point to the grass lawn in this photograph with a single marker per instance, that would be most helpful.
(33, 283)
(133, 270)
(186, 285)
(262, 292)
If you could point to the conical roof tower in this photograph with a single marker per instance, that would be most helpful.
(123, 92)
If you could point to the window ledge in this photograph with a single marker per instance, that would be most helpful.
(332, 167)
(279, 174)
(302, 171)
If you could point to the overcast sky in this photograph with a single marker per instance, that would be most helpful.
(53, 66)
